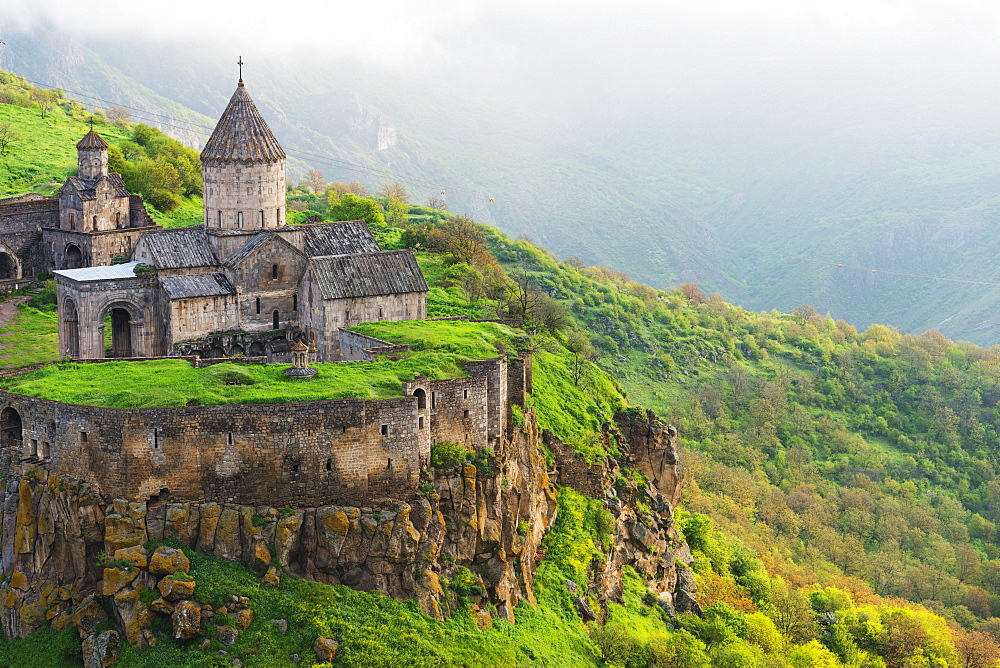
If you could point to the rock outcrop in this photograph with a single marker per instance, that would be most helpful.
(482, 523)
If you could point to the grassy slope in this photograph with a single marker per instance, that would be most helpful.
(46, 154)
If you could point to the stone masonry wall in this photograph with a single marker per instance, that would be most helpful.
(294, 454)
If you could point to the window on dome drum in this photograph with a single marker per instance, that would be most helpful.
(220, 218)
(258, 305)
(239, 219)
(95, 223)
(275, 317)
(380, 314)
(260, 217)
(274, 271)
(295, 302)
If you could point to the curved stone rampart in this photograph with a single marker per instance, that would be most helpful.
(291, 454)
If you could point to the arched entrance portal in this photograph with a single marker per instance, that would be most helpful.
(10, 428)
(73, 257)
(421, 398)
(121, 333)
(8, 267)
(72, 330)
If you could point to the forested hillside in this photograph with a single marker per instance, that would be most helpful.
(841, 500)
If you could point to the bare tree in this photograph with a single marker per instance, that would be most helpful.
(116, 113)
(8, 136)
(394, 190)
(437, 203)
(315, 180)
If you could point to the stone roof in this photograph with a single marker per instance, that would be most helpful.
(110, 272)
(201, 285)
(368, 274)
(242, 134)
(87, 190)
(344, 238)
(182, 248)
(92, 140)
(259, 240)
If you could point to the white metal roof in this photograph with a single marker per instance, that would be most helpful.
(110, 272)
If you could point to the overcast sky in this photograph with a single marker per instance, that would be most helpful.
(518, 35)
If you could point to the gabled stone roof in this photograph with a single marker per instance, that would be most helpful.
(242, 134)
(87, 190)
(260, 240)
(182, 248)
(368, 274)
(343, 238)
(92, 140)
(200, 285)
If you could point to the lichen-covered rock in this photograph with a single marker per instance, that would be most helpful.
(243, 618)
(227, 635)
(100, 650)
(326, 649)
(87, 616)
(271, 578)
(227, 535)
(161, 606)
(117, 578)
(135, 555)
(173, 589)
(186, 620)
(281, 625)
(167, 560)
(133, 617)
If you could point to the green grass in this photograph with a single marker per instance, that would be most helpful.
(373, 630)
(32, 337)
(176, 383)
(190, 212)
(46, 153)
(475, 340)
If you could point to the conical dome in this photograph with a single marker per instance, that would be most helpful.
(92, 140)
(242, 134)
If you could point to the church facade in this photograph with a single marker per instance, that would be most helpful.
(241, 283)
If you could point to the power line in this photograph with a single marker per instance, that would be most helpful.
(341, 163)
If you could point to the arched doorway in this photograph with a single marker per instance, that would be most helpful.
(121, 333)
(72, 257)
(421, 398)
(10, 428)
(72, 329)
(257, 349)
(216, 352)
(8, 266)
(237, 351)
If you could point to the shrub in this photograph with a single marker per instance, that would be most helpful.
(517, 415)
(449, 455)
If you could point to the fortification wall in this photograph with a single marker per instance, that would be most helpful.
(29, 216)
(296, 454)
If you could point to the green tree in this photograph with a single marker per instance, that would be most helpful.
(353, 207)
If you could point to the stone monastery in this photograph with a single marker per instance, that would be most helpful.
(242, 283)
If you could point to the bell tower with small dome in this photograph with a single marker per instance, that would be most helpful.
(243, 166)
(92, 156)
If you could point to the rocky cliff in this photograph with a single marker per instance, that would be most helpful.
(67, 551)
